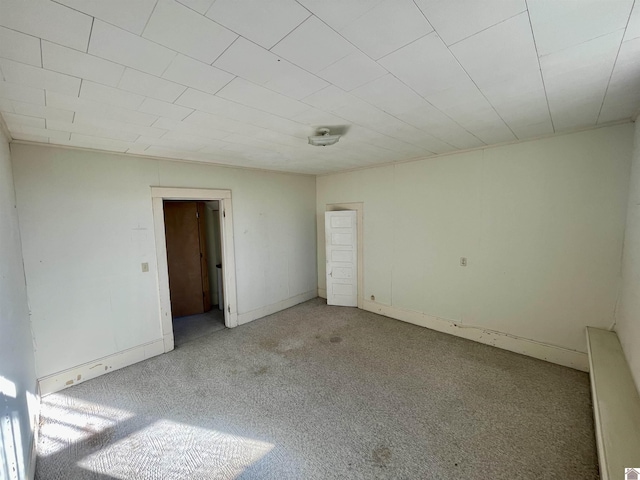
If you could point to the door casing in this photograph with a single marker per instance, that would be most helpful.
(158, 194)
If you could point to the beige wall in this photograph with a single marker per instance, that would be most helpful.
(628, 312)
(87, 225)
(18, 404)
(541, 223)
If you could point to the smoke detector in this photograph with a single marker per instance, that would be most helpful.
(323, 138)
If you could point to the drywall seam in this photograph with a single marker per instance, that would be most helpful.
(81, 373)
(524, 346)
(275, 307)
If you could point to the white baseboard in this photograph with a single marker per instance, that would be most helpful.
(81, 373)
(322, 292)
(531, 348)
(275, 307)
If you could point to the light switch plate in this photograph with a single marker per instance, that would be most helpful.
(145, 267)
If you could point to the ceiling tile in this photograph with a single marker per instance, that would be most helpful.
(79, 64)
(339, 13)
(387, 27)
(264, 23)
(120, 46)
(164, 109)
(17, 119)
(576, 79)
(633, 27)
(503, 63)
(21, 93)
(465, 105)
(150, 86)
(456, 20)
(109, 95)
(246, 93)
(36, 77)
(180, 28)
(389, 94)
(47, 20)
(313, 46)
(29, 138)
(260, 66)
(96, 120)
(196, 74)
(561, 24)
(241, 113)
(19, 47)
(192, 139)
(220, 126)
(180, 145)
(95, 142)
(49, 113)
(138, 149)
(504, 52)
(371, 137)
(200, 6)
(78, 127)
(316, 117)
(42, 132)
(104, 110)
(131, 16)
(195, 126)
(451, 91)
(416, 63)
(331, 99)
(428, 118)
(352, 71)
(623, 95)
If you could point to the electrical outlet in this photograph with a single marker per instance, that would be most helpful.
(463, 261)
(145, 267)
(373, 298)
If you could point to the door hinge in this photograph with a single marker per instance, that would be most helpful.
(197, 214)
(224, 214)
(229, 309)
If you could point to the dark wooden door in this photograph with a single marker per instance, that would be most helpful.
(186, 258)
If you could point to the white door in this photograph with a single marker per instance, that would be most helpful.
(341, 234)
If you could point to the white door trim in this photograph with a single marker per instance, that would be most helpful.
(158, 194)
(358, 207)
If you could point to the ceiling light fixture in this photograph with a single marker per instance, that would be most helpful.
(323, 138)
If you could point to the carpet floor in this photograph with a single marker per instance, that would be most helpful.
(319, 392)
(187, 329)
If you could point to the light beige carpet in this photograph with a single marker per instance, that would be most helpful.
(318, 392)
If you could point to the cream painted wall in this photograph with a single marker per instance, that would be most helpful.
(18, 401)
(628, 311)
(541, 223)
(87, 226)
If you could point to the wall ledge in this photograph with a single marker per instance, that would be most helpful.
(82, 373)
(524, 346)
(616, 405)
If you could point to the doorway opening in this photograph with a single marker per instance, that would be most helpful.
(196, 262)
(194, 257)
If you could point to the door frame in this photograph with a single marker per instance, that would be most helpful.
(359, 208)
(158, 195)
